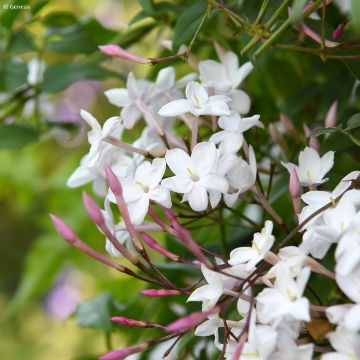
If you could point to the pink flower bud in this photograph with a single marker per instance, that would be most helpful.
(119, 52)
(294, 184)
(338, 31)
(313, 142)
(187, 322)
(123, 353)
(160, 292)
(128, 322)
(113, 181)
(286, 122)
(157, 247)
(64, 230)
(93, 209)
(330, 119)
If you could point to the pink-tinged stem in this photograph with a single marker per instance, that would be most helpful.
(194, 132)
(151, 242)
(70, 236)
(117, 142)
(239, 346)
(317, 37)
(161, 222)
(149, 115)
(119, 52)
(159, 292)
(134, 323)
(187, 322)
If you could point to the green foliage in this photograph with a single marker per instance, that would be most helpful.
(15, 136)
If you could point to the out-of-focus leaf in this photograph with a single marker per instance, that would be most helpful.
(57, 20)
(355, 19)
(322, 131)
(96, 31)
(21, 41)
(8, 15)
(42, 264)
(37, 6)
(14, 136)
(353, 122)
(148, 6)
(188, 23)
(12, 75)
(95, 312)
(59, 76)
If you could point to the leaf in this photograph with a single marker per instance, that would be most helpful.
(21, 41)
(13, 75)
(148, 6)
(95, 312)
(42, 264)
(353, 122)
(318, 328)
(297, 9)
(355, 19)
(15, 136)
(188, 23)
(36, 7)
(56, 20)
(8, 16)
(322, 131)
(57, 77)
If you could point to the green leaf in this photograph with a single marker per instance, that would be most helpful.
(15, 136)
(353, 122)
(322, 131)
(57, 77)
(21, 41)
(36, 7)
(148, 6)
(42, 264)
(8, 16)
(188, 23)
(297, 8)
(58, 20)
(12, 75)
(95, 312)
(355, 18)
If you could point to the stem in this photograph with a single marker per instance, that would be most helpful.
(194, 132)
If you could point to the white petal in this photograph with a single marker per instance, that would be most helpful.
(240, 101)
(90, 120)
(110, 125)
(119, 97)
(179, 183)
(242, 255)
(327, 162)
(166, 78)
(196, 93)
(130, 114)
(175, 108)
(138, 210)
(161, 195)
(203, 157)
(215, 182)
(179, 161)
(198, 198)
(80, 176)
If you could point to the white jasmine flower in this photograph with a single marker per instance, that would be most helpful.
(350, 284)
(346, 344)
(97, 134)
(143, 187)
(136, 91)
(198, 102)
(193, 174)
(346, 315)
(286, 299)
(312, 168)
(261, 244)
(231, 137)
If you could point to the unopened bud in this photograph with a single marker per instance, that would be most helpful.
(123, 353)
(113, 181)
(187, 322)
(64, 230)
(286, 122)
(119, 52)
(128, 322)
(330, 119)
(294, 184)
(93, 209)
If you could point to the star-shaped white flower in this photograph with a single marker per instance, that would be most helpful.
(136, 91)
(231, 137)
(285, 300)
(312, 168)
(144, 187)
(193, 174)
(97, 134)
(197, 102)
(261, 244)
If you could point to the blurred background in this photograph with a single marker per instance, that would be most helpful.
(50, 68)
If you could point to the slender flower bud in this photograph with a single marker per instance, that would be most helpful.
(187, 322)
(151, 242)
(113, 181)
(160, 292)
(286, 122)
(128, 322)
(93, 209)
(339, 30)
(119, 52)
(278, 138)
(64, 230)
(294, 184)
(313, 142)
(123, 353)
(330, 119)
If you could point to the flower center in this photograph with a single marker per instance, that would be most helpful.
(193, 176)
(144, 188)
(290, 295)
(256, 246)
(309, 175)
